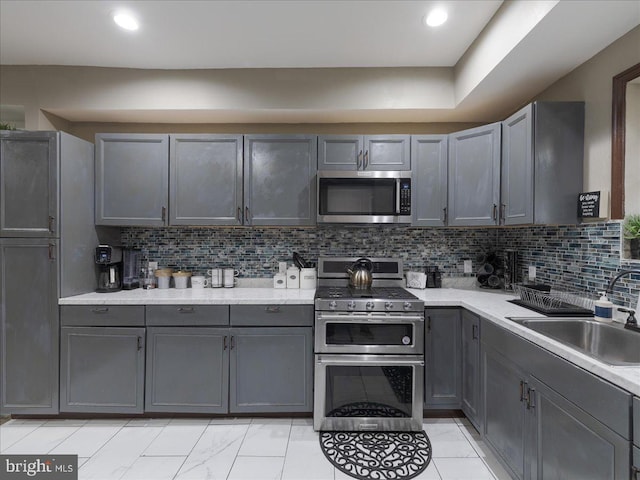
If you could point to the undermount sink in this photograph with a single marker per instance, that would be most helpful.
(609, 343)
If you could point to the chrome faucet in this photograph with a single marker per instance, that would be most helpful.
(631, 323)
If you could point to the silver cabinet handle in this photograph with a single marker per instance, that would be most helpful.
(522, 387)
(246, 213)
(224, 343)
(531, 398)
(100, 310)
(239, 215)
(474, 332)
(444, 215)
(359, 159)
(186, 310)
(232, 342)
(503, 209)
(52, 251)
(164, 213)
(366, 159)
(139, 343)
(495, 212)
(51, 222)
(272, 309)
(428, 323)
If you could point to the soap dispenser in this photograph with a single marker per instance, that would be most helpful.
(603, 311)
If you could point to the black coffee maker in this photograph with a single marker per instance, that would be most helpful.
(109, 261)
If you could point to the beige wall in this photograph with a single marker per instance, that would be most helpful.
(591, 82)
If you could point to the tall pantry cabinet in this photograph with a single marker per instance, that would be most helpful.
(47, 239)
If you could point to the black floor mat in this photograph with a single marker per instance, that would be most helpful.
(377, 455)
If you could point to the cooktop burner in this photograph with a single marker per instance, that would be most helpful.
(378, 293)
(375, 299)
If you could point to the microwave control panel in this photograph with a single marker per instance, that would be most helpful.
(405, 196)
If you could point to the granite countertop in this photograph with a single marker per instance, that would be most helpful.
(491, 305)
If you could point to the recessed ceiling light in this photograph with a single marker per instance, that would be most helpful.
(126, 21)
(436, 17)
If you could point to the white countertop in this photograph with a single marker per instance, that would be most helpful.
(488, 304)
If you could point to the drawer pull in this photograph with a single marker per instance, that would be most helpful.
(232, 342)
(100, 310)
(272, 309)
(224, 343)
(139, 343)
(185, 310)
(474, 332)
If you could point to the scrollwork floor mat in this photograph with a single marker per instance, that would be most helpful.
(377, 455)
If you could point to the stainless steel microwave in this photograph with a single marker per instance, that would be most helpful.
(364, 196)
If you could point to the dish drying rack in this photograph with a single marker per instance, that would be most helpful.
(552, 301)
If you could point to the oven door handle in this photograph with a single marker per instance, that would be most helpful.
(371, 360)
(373, 318)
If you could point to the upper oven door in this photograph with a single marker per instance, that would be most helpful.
(371, 333)
(364, 197)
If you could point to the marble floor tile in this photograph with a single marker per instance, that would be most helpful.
(304, 459)
(462, 469)
(256, 468)
(175, 440)
(87, 440)
(11, 432)
(190, 421)
(214, 454)
(65, 422)
(266, 438)
(109, 421)
(447, 440)
(154, 468)
(25, 421)
(119, 453)
(41, 440)
(149, 422)
(302, 421)
(230, 421)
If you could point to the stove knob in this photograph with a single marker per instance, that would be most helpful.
(369, 305)
(388, 305)
(333, 304)
(407, 305)
(351, 305)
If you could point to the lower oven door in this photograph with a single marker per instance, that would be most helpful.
(369, 333)
(368, 392)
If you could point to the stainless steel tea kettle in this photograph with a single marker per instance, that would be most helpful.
(360, 275)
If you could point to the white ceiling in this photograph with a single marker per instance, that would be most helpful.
(238, 34)
(499, 55)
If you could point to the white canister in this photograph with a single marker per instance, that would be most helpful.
(307, 278)
(199, 281)
(293, 277)
(216, 277)
(280, 280)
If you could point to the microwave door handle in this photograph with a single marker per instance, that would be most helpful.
(397, 196)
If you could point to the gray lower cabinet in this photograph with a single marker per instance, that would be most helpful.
(28, 184)
(132, 179)
(474, 176)
(187, 370)
(280, 179)
(429, 180)
(271, 370)
(29, 326)
(102, 369)
(364, 152)
(442, 358)
(205, 179)
(546, 418)
(471, 380)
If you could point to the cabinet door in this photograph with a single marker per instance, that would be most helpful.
(429, 180)
(504, 406)
(187, 370)
(517, 168)
(28, 184)
(132, 179)
(471, 368)
(566, 442)
(474, 176)
(29, 328)
(442, 358)
(271, 370)
(386, 152)
(279, 179)
(102, 369)
(340, 152)
(205, 180)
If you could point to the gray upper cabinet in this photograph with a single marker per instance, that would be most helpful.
(471, 395)
(205, 179)
(29, 328)
(474, 176)
(542, 163)
(364, 152)
(442, 358)
(279, 179)
(28, 184)
(429, 180)
(132, 178)
(102, 369)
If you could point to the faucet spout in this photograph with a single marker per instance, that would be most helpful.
(617, 277)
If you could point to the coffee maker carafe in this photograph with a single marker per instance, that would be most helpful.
(109, 261)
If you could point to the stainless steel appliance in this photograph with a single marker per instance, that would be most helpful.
(364, 197)
(109, 261)
(369, 350)
(131, 268)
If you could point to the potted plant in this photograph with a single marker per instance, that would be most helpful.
(632, 233)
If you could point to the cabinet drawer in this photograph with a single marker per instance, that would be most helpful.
(188, 315)
(272, 315)
(102, 315)
(636, 422)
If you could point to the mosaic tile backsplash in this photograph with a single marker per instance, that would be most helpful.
(582, 258)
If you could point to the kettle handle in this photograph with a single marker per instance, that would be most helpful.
(365, 262)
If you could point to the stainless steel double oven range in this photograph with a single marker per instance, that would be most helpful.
(369, 350)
